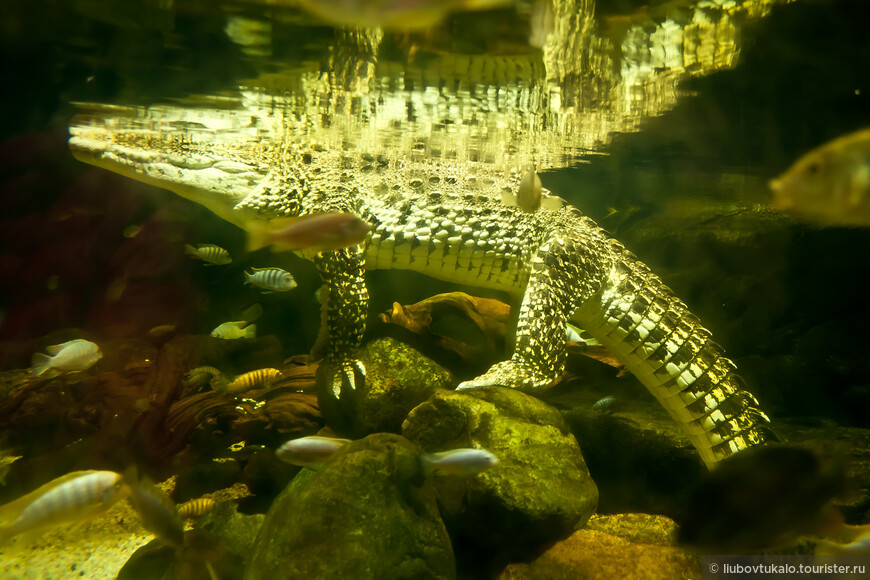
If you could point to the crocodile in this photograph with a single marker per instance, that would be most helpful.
(430, 153)
(445, 221)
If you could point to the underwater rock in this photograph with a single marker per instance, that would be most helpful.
(368, 513)
(397, 379)
(539, 492)
(615, 546)
(199, 559)
(236, 532)
(639, 458)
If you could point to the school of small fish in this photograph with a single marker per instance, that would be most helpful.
(830, 185)
(68, 357)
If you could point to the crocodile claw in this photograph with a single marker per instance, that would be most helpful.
(345, 376)
(509, 373)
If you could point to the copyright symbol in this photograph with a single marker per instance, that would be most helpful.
(714, 567)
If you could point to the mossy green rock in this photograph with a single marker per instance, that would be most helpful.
(235, 531)
(368, 513)
(615, 546)
(538, 493)
(397, 379)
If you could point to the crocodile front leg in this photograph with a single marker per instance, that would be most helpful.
(345, 304)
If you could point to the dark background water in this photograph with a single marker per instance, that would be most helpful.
(787, 301)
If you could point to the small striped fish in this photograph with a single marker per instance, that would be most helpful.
(214, 255)
(271, 279)
(74, 497)
(253, 380)
(195, 508)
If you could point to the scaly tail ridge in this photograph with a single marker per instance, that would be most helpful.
(653, 333)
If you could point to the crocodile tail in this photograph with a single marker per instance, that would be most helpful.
(654, 335)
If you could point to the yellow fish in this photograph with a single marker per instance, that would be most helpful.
(195, 508)
(830, 185)
(74, 497)
(233, 330)
(253, 380)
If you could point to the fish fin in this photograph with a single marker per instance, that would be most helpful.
(211, 573)
(251, 331)
(553, 202)
(40, 363)
(188, 249)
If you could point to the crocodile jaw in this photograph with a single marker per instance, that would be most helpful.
(154, 157)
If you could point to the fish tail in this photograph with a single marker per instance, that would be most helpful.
(188, 249)
(40, 363)
(428, 464)
(251, 331)
(258, 236)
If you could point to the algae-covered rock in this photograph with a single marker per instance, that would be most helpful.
(397, 379)
(539, 492)
(236, 532)
(368, 513)
(615, 546)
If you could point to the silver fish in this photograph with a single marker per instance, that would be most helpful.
(233, 330)
(311, 452)
(830, 185)
(68, 357)
(74, 497)
(605, 404)
(271, 279)
(462, 462)
(213, 255)
(158, 513)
